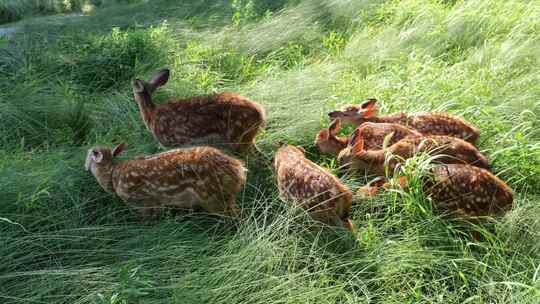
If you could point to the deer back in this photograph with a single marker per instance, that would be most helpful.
(451, 150)
(302, 181)
(374, 134)
(435, 123)
(221, 119)
(201, 173)
(469, 190)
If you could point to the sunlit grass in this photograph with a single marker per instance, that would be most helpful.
(65, 86)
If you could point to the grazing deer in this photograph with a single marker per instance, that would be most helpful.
(224, 120)
(449, 149)
(181, 178)
(427, 123)
(373, 134)
(313, 187)
(463, 189)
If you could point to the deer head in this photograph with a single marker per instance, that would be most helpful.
(142, 92)
(328, 142)
(355, 156)
(100, 161)
(357, 114)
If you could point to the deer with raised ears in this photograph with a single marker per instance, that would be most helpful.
(317, 190)
(373, 134)
(328, 142)
(462, 189)
(427, 123)
(450, 150)
(182, 178)
(225, 120)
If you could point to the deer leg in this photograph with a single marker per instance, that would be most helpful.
(246, 142)
(214, 205)
(148, 211)
(329, 217)
(232, 208)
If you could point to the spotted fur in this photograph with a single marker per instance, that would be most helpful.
(223, 120)
(462, 189)
(182, 178)
(313, 187)
(427, 123)
(450, 150)
(469, 190)
(373, 134)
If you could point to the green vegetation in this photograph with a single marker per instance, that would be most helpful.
(65, 86)
(14, 10)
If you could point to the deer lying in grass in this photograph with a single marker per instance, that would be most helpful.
(373, 134)
(224, 120)
(463, 189)
(427, 123)
(450, 150)
(182, 178)
(313, 187)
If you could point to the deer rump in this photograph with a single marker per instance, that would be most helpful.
(220, 119)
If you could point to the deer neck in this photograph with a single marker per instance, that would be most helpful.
(146, 107)
(373, 160)
(104, 176)
(342, 142)
(114, 176)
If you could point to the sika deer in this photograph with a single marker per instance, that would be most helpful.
(450, 150)
(328, 142)
(427, 123)
(313, 187)
(223, 120)
(373, 134)
(182, 178)
(463, 189)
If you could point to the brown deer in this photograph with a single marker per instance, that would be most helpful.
(301, 181)
(449, 149)
(463, 189)
(427, 123)
(373, 134)
(328, 142)
(181, 178)
(223, 120)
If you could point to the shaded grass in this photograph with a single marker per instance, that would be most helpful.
(66, 86)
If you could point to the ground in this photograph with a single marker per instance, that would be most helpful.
(65, 86)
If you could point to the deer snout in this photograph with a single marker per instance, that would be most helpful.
(335, 114)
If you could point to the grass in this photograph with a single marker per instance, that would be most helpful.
(65, 86)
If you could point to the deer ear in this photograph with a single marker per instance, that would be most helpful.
(335, 126)
(357, 142)
(323, 134)
(160, 78)
(118, 149)
(369, 108)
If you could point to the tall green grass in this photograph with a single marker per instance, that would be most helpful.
(14, 10)
(65, 86)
